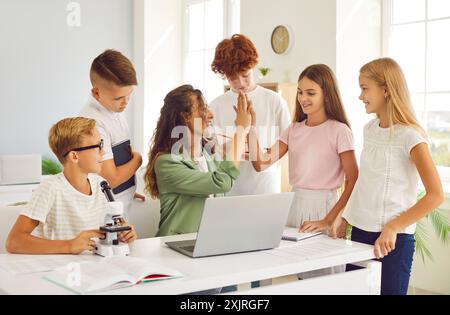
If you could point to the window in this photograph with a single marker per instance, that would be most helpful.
(415, 35)
(207, 23)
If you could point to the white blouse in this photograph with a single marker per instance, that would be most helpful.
(388, 178)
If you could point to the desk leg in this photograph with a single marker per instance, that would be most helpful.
(374, 278)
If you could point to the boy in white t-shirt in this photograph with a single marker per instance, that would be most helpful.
(66, 210)
(235, 59)
(113, 79)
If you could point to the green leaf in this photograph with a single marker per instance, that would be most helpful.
(420, 195)
(50, 167)
(349, 232)
(421, 241)
(441, 225)
(264, 71)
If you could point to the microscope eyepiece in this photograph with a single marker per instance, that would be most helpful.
(107, 190)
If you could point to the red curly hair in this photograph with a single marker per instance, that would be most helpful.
(234, 56)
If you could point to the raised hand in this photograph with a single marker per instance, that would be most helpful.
(243, 115)
(251, 110)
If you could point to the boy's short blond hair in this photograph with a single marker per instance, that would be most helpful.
(113, 66)
(68, 134)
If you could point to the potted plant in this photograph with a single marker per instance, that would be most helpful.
(50, 167)
(441, 227)
(263, 72)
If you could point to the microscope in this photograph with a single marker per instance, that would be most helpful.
(110, 245)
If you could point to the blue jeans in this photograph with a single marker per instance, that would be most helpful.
(396, 267)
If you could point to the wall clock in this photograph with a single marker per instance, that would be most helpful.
(281, 39)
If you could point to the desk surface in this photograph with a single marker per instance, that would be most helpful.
(211, 272)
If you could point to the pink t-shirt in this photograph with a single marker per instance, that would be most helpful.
(314, 161)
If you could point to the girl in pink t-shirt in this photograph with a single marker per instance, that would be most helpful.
(321, 154)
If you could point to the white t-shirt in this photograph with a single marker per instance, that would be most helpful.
(62, 211)
(388, 178)
(272, 117)
(113, 129)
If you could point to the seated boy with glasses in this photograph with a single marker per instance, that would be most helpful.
(66, 210)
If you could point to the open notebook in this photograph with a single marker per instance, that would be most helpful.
(108, 274)
(292, 234)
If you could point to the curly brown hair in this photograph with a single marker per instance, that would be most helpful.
(234, 56)
(178, 106)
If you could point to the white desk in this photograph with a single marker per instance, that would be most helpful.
(212, 272)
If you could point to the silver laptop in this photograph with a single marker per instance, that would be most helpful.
(238, 224)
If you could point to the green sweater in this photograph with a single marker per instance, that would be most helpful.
(183, 189)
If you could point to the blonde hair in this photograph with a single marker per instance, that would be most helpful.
(387, 73)
(68, 134)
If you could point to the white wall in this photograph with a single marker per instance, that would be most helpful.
(358, 40)
(314, 27)
(44, 63)
(162, 64)
(343, 34)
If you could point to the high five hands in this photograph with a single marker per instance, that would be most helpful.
(245, 115)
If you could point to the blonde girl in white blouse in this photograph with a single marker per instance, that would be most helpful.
(383, 208)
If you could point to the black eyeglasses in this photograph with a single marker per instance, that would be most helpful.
(99, 146)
